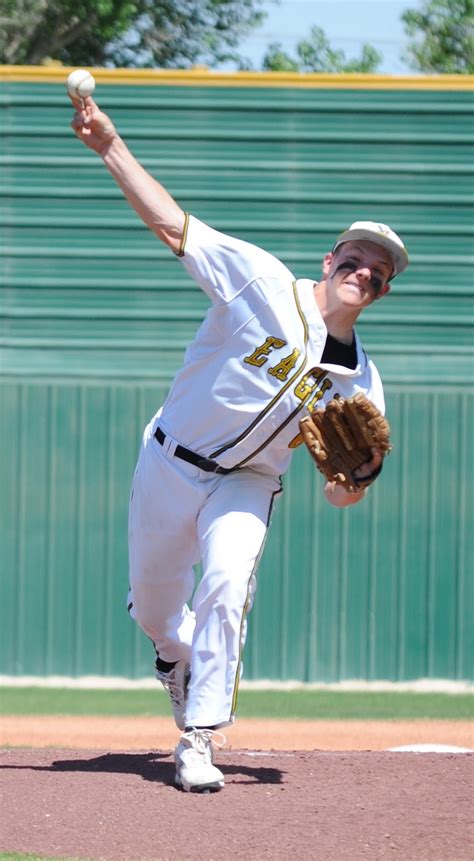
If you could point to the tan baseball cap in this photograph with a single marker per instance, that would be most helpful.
(383, 235)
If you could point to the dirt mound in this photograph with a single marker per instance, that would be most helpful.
(123, 806)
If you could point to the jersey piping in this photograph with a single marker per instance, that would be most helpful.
(184, 236)
(277, 431)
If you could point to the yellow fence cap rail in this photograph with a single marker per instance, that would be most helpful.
(201, 76)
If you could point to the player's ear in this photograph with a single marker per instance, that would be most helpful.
(385, 289)
(327, 260)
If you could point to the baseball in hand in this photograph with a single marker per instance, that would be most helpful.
(80, 84)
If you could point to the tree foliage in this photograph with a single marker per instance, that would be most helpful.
(138, 33)
(316, 55)
(442, 32)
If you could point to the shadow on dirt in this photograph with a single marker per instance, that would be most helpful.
(155, 767)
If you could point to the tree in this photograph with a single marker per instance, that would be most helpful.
(443, 36)
(138, 33)
(316, 55)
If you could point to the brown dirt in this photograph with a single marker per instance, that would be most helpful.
(285, 806)
(112, 798)
(135, 733)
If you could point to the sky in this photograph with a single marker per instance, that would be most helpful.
(347, 24)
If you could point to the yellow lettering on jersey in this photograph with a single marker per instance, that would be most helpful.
(304, 387)
(324, 388)
(319, 374)
(298, 439)
(284, 367)
(258, 356)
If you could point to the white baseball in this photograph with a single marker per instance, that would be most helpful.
(80, 83)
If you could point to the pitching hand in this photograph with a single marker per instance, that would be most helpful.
(91, 125)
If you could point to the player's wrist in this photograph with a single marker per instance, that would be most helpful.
(109, 145)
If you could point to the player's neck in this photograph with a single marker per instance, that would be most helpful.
(339, 330)
(339, 319)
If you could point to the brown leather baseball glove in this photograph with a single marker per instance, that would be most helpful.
(342, 436)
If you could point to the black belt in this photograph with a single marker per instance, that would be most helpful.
(191, 457)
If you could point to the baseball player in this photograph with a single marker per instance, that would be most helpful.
(271, 350)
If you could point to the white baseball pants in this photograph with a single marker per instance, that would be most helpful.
(180, 515)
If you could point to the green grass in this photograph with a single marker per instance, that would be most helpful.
(20, 856)
(296, 704)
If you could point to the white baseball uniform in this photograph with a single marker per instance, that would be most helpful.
(253, 370)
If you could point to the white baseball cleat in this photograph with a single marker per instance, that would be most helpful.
(193, 758)
(176, 684)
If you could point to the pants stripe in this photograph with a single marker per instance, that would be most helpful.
(246, 606)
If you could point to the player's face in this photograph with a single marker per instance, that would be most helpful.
(358, 272)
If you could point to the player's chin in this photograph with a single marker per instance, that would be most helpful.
(356, 297)
(355, 300)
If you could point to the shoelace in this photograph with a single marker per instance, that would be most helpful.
(201, 738)
(175, 690)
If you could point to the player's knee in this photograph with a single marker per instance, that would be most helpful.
(226, 594)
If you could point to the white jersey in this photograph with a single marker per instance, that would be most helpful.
(254, 368)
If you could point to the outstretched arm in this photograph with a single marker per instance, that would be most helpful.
(150, 200)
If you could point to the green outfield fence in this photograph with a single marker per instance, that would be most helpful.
(96, 315)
